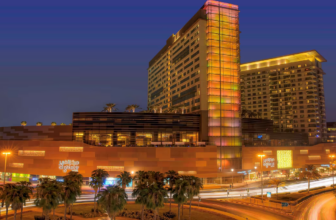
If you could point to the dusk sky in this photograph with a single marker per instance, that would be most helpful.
(59, 57)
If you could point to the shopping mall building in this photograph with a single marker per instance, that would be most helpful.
(198, 91)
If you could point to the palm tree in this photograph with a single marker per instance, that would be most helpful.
(73, 182)
(310, 173)
(195, 186)
(155, 197)
(53, 124)
(182, 107)
(6, 196)
(111, 107)
(26, 190)
(48, 195)
(63, 124)
(251, 114)
(171, 177)
(277, 183)
(180, 191)
(155, 177)
(155, 107)
(75, 179)
(124, 179)
(98, 177)
(174, 109)
(132, 108)
(140, 191)
(23, 123)
(112, 199)
(39, 124)
(258, 114)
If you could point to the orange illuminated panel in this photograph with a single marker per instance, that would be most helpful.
(31, 153)
(16, 165)
(112, 168)
(71, 149)
(187, 172)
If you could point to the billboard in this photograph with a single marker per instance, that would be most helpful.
(285, 158)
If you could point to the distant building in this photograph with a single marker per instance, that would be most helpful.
(288, 90)
(331, 134)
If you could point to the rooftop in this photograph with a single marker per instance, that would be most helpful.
(290, 58)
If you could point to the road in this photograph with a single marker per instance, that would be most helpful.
(246, 212)
(320, 207)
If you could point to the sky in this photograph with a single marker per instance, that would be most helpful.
(59, 57)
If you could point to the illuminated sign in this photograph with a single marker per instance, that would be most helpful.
(31, 153)
(269, 162)
(66, 165)
(71, 149)
(284, 159)
(111, 168)
(16, 165)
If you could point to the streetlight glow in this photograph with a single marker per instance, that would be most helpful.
(6, 154)
(261, 174)
(332, 168)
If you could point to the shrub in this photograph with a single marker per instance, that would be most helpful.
(169, 214)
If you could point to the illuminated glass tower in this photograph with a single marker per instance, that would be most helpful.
(223, 81)
(197, 71)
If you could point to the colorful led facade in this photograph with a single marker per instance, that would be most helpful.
(223, 81)
(285, 159)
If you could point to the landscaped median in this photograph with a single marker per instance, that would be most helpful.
(81, 211)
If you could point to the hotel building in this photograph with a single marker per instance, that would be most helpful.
(288, 90)
(198, 70)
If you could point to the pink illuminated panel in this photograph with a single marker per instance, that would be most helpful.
(223, 61)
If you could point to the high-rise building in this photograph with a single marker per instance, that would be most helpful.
(198, 71)
(289, 90)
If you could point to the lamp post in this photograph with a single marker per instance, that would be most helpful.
(332, 167)
(5, 153)
(261, 174)
(232, 176)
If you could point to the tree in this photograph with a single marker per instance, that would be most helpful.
(182, 107)
(73, 182)
(251, 114)
(48, 195)
(62, 124)
(171, 177)
(6, 196)
(26, 191)
(98, 177)
(180, 191)
(310, 173)
(110, 107)
(276, 183)
(155, 107)
(15, 199)
(23, 123)
(140, 191)
(258, 114)
(53, 124)
(112, 199)
(39, 124)
(155, 197)
(195, 186)
(174, 109)
(244, 112)
(155, 177)
(124, 179)
(132, 108)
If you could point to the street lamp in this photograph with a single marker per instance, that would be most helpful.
(261, 173)
(5, 153)
(232, 176)
(332, 167)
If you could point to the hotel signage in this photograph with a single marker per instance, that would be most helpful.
(68, 165)
(269, 162)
